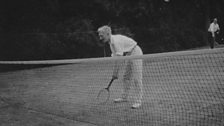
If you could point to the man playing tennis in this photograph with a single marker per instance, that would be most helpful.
(121, 45)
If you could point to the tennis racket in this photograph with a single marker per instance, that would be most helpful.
(104, 94)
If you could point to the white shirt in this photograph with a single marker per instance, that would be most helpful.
(213, 27)
(120, 44)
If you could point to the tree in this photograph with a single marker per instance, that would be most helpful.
(56, 29)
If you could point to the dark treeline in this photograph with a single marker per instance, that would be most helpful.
(59, 29)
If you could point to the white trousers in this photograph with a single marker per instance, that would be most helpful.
(133, 74)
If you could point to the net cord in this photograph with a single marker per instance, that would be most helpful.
(146, 56)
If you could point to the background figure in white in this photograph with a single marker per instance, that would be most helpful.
(213, 31)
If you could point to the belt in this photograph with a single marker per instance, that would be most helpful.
(125, 53)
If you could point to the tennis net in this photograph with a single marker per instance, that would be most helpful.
(180, 88)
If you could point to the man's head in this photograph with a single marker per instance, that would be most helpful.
(215, 20)
(104, 33)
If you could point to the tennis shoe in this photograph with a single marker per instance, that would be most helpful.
(136, 105)
(119, 100)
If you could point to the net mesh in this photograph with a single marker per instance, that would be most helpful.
(180, 88)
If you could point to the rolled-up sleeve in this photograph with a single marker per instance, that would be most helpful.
(116, 50)
(121, 44)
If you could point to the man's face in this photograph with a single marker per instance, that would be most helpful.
(215, 21)
(104, 37)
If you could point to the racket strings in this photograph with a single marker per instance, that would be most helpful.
(103, 96)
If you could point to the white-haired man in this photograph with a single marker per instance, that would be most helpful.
(121, 45)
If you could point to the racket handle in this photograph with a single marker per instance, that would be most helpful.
(110, 84)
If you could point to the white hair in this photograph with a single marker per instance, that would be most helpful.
(105, 29)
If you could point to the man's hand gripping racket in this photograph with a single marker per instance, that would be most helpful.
(104, 94)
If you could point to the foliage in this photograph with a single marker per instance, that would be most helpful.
(56, 29)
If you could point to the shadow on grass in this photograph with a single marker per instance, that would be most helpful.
(17, 67)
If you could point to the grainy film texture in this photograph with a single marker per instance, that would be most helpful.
(179, 89)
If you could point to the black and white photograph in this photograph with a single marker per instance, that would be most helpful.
(112, 63)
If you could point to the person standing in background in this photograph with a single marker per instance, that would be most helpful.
(213, 31)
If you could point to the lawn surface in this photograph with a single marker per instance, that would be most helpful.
(179, 90)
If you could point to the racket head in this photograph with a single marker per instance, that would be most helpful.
(103, 96)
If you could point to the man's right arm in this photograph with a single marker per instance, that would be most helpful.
(115, 70)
